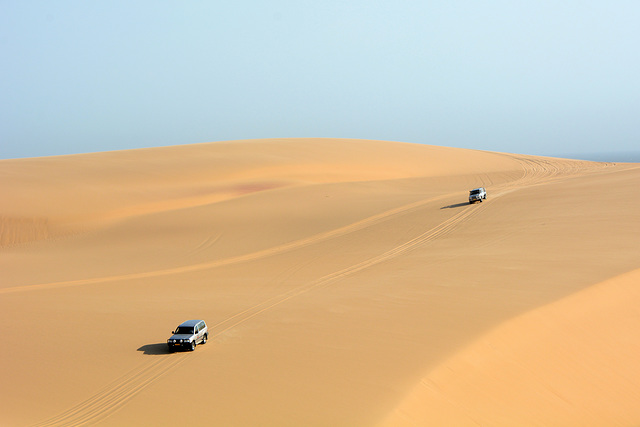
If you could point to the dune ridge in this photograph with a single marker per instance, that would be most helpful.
(333, 274)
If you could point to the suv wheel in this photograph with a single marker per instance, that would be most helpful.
(193, 345)
(204, 339)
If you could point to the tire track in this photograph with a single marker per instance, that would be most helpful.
(443, 228)
(542, 170)
(114, 395)
(209, 241)
(121, 391)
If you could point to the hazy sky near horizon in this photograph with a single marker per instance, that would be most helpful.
(542, 77)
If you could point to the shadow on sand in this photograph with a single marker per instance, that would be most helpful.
(457, 205)
(155, 349)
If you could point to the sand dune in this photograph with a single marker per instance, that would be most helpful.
(571, 362)
(345, 282)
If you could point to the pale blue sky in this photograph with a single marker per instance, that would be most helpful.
(535, 77)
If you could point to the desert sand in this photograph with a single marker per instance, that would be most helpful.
(344, 282)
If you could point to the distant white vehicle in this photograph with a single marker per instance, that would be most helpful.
(477, 195)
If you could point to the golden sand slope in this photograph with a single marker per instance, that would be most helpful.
(572, 362)
(338, 278)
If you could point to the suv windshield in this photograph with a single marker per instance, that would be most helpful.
(475, 192)
(184, 330)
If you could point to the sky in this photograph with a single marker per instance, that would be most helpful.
(534, 77)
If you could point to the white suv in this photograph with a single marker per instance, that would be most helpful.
(477, 195)
(188, 334)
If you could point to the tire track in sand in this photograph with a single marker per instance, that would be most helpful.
(441, 229)
(114, 395)
(542, 170)
(121, 391)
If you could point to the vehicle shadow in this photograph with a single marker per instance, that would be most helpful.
(457, 205)
(155, 349)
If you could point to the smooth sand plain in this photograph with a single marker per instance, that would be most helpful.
(345, 283)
